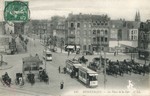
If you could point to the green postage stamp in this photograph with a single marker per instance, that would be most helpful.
(16, 11)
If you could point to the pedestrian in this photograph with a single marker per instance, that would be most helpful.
(64, 70)
(62, 84)
(68, 52)
(59, 69)
(115, 53)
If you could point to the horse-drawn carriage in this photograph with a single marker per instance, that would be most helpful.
(6, 80)
(32, 68)
(97, 63)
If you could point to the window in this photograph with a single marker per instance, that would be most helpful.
(78, 25)
(105, 32)
(98, 23)
(94, 39)
(106, 23)
(89, 47)
(84, 47)
(131, 37)
(94, 31)
(102, 23)
(105, 39)
(98, 39)
(102, 32)
(94, 24)
(98, 31)
(135, 32)
(132, 32)
(102, 39)
(72, 24)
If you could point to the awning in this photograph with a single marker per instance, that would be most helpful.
(70, 47)
(78, 47)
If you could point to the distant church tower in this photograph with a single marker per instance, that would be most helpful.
(137, 17)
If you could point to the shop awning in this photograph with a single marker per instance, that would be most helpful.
(78, 47)
(70, 47)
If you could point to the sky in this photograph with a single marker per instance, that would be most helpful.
(116, 9)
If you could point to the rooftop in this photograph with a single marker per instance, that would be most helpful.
(88, 17)
(87, 70)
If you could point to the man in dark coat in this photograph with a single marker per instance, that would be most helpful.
(62, 84)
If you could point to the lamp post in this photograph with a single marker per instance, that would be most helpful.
(1, 60)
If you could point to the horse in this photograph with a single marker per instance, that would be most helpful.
(30, 78)
(82, 60)
(43, 77)
(6, 80)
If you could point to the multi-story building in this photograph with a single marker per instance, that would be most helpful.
(124, 35)
(144, 40)
(115, 27)
(58, 29)
(60, 33)
(88, 32)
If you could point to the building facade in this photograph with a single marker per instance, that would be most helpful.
(60, 33)
(88, 32)
(144, 40)
(121, 32)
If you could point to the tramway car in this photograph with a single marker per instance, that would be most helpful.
(88, 76)
(72, 66)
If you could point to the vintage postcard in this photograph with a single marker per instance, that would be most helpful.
(74, 47)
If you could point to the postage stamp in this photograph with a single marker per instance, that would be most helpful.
(16, 11)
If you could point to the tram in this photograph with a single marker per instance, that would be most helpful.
(47, 55)
(72, 66)
(88, 76)
(83, 74)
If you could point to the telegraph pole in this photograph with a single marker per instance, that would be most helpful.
(100, 55)
(105, 69)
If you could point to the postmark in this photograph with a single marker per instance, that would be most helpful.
(16, 11)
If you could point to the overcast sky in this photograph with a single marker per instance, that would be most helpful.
(44, 9)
